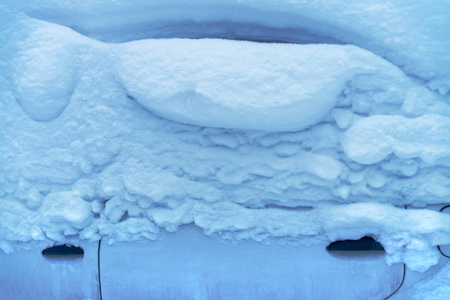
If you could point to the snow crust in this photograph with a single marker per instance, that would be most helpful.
(300, 143)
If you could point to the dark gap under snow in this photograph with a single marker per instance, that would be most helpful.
(63, 252)
(239, 31)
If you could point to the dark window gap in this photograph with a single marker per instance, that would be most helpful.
(366, 246)
(63, 252)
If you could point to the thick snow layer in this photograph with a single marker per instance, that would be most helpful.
(306, 143)
(411, 34)
(219, 83)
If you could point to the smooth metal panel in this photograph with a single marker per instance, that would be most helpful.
(28, 275)
(189, 265)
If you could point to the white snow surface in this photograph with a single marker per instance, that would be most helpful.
(112, 126)
(411, 34)
(218, 83)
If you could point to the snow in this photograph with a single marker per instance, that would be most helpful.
(43, 77)
(126, 120)
(197, 82)
(390, 29)
(371, 139)
(72, 212)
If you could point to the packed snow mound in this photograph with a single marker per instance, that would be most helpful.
(218, 83)
(44, 75)
(300, 143)
(197, 82)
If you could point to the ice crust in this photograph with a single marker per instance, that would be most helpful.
(306, 143)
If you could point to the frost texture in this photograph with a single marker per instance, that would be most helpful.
(110, 127)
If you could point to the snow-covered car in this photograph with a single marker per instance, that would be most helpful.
(229, 149)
